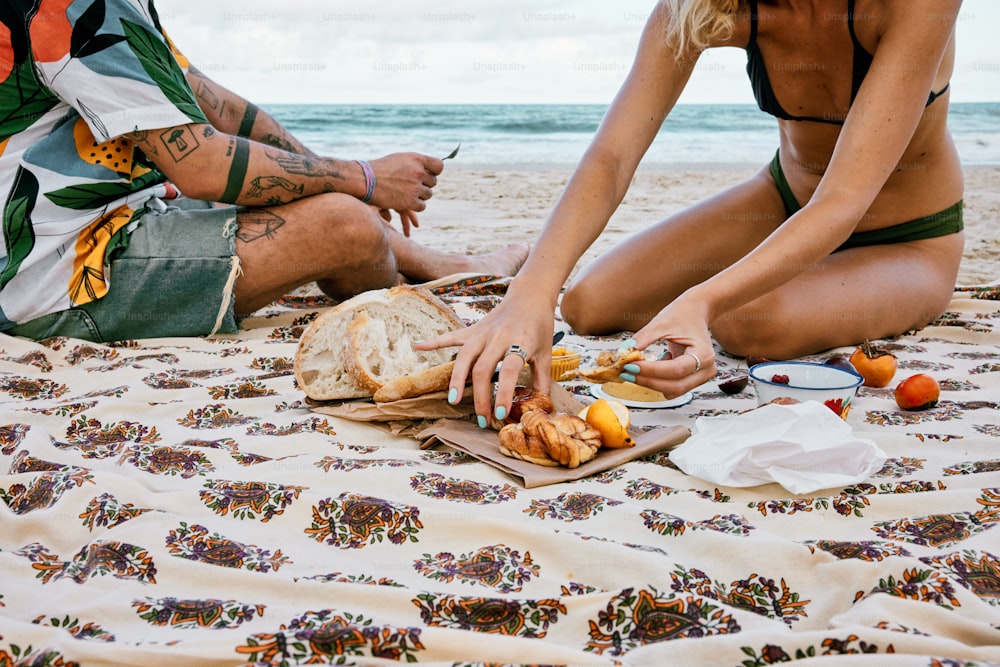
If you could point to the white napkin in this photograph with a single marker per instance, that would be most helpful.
(802, 446)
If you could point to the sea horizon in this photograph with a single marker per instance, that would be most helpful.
(545, 133)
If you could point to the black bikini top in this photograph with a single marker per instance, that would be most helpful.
(764, 94)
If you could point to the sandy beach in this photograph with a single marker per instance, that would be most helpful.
(480, 207)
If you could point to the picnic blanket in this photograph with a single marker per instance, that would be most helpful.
(176, 502)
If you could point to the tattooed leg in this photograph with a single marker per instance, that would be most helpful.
(257, 223)
(333, 240)
(344, 247)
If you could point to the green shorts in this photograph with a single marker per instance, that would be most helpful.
(171, 275)
(948, 221)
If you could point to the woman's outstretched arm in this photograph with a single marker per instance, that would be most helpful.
(598, 185)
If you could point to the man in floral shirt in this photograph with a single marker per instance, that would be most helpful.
(103, 124)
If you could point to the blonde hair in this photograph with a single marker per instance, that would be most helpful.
(696, 24)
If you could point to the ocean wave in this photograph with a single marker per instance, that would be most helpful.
(520, 133)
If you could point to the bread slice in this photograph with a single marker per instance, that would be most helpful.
(358, 345)
(435, 378)
(380, 350)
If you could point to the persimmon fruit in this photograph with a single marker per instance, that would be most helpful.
(875, 365)
(917, 392)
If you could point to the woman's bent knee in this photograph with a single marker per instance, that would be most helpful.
(593, 308)
(762, 328)
(742, 338)
(581, 311)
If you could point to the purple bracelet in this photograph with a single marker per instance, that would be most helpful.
(369, 180)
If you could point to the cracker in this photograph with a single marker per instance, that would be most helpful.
(632, 392)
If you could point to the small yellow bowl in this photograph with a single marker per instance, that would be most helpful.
(565, 361)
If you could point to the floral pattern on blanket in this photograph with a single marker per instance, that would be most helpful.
(169, 498)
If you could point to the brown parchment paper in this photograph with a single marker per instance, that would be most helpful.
(433, 421)
(412, 415)
(407, 417)
(484, 444)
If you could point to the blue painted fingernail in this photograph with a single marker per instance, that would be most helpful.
(482, 421)
(501, 412)
(629, 343)
(632, 368)
(419, 342)
(627, 377)
(453, 395)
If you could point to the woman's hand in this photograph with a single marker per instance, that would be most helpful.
(690, 357)
(525, 322)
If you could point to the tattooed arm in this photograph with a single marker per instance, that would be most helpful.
(232, 114)
(214, 166)
(400, 177)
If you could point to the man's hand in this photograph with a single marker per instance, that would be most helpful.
(404, 183)
(407, 219)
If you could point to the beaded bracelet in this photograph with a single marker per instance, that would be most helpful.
(369, 180)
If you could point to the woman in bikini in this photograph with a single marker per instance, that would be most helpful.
(852, 232)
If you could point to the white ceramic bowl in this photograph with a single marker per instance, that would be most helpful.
(807, 381)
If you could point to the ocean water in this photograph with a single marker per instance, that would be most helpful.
(558, 134)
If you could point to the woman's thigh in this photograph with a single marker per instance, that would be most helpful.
(625, 287)
(852, 295)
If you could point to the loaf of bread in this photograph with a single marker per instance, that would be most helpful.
(361, 344)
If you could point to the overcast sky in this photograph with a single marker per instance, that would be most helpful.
(474, 51)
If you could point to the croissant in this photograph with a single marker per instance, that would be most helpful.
(570, 440)
(560, 439)
(610, 364)
(526, 399)
(515, 443)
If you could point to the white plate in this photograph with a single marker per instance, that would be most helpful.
(597, 391)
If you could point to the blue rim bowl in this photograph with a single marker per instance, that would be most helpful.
(807, 380)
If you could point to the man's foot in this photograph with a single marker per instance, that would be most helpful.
(504, 262)
(421, 264)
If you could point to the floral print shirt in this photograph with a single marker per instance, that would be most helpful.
(75, 76)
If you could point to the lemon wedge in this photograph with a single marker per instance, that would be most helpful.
(611, 419)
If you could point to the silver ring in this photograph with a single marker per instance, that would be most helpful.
(697, 361)
(516, 349)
